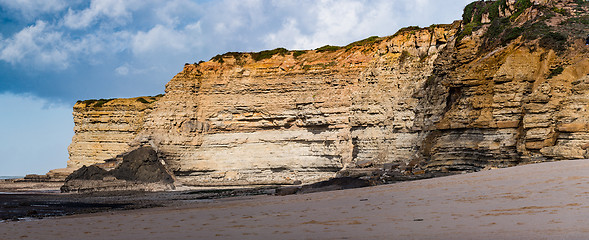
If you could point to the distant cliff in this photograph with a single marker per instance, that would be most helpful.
(509, 84)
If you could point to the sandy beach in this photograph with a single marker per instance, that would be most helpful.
(538, 201)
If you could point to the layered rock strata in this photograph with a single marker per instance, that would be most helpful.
(285, 119)
(104, 128)
(437, 99)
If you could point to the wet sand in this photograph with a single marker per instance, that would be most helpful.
(38, 204)
(539, 201)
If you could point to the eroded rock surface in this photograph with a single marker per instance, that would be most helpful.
(500, 90)
(104, 128)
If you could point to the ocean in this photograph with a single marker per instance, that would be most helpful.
(10, 177)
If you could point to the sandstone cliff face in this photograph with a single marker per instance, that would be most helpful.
(104, 128)
(286, 118)
(434, 98)
(516, 103)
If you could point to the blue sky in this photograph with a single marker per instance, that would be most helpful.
(54, 52)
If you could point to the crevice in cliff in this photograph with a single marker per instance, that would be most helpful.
(454, 93)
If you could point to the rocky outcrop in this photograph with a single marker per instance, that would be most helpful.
(139, 169)
(103, 129)
(493, 91)
(509, 88)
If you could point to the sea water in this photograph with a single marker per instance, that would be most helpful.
(10, 177)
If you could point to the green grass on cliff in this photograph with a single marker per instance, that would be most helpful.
(298, 53)
(554, 40)
(258, 56)
(577, 20)
(219, 57)
(410, 29)
(363, 42)
(555, 72)
(328, 48)
(520, 6)
(474, 12)
(142, 100)
(473, 15)
(502, 30)
(95, 102)
(467, 30)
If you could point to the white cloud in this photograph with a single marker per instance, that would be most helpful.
(333, 22)
(174, 12)
(341, 22)
(161, 39)
(32, 8)
(122, 70)
(46, 46)
(337, 17)
(25, 42)
(181, 30)
(231, 16)
(156, 38)
(115, 10)
(40, 46)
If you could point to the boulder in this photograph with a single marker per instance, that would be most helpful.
(140, 169)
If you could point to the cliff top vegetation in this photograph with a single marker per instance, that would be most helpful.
(98, 103)
(502, 27)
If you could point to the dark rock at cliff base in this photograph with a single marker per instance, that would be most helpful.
(336, 184)
(87, 173)
(143, 165)
(140, 169)
(328, 185)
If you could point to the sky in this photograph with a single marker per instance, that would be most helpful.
(55, 52)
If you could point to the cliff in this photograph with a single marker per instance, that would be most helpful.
(506, 85)
(103, 128)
